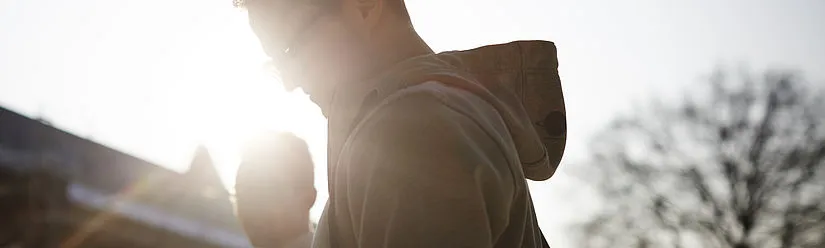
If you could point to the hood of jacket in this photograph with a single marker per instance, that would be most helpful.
(520, 79)
(524, 86)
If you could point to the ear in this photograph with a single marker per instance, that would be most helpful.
(370, 11)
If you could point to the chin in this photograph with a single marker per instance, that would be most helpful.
(320, 88)
(319, 95)
(289, 87)
(314, 97)
(289, 83)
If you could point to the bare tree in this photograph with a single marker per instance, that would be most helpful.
(742, 165)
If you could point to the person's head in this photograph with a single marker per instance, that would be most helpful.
(316, 44)
(274, 188)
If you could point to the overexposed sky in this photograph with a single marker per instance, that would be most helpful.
(154, 78)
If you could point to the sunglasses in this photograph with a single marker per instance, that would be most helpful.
(299, 38)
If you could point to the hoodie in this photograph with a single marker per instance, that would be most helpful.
(436, 151)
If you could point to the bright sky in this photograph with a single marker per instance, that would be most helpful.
(153, 78)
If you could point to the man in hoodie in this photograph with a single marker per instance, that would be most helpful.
(274, 190)
(424, 149)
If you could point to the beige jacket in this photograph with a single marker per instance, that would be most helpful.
(436, 152)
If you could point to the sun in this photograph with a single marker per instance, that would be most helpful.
(262, 105)
(239, 99)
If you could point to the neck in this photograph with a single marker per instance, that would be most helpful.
(400, 44)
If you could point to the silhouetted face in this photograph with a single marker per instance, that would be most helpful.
(275, 190)
(314, 44)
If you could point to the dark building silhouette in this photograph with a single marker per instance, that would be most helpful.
(61, 190)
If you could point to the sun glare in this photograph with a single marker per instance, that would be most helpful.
(236, 99)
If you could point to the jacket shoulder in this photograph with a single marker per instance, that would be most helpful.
(434, 96)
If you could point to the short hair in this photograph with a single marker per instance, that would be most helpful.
(395, 5)
(272, 154)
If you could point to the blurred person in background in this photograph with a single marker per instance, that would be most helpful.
(274, 191)
(424, 149)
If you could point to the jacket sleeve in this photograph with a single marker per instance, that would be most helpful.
(423, 174)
